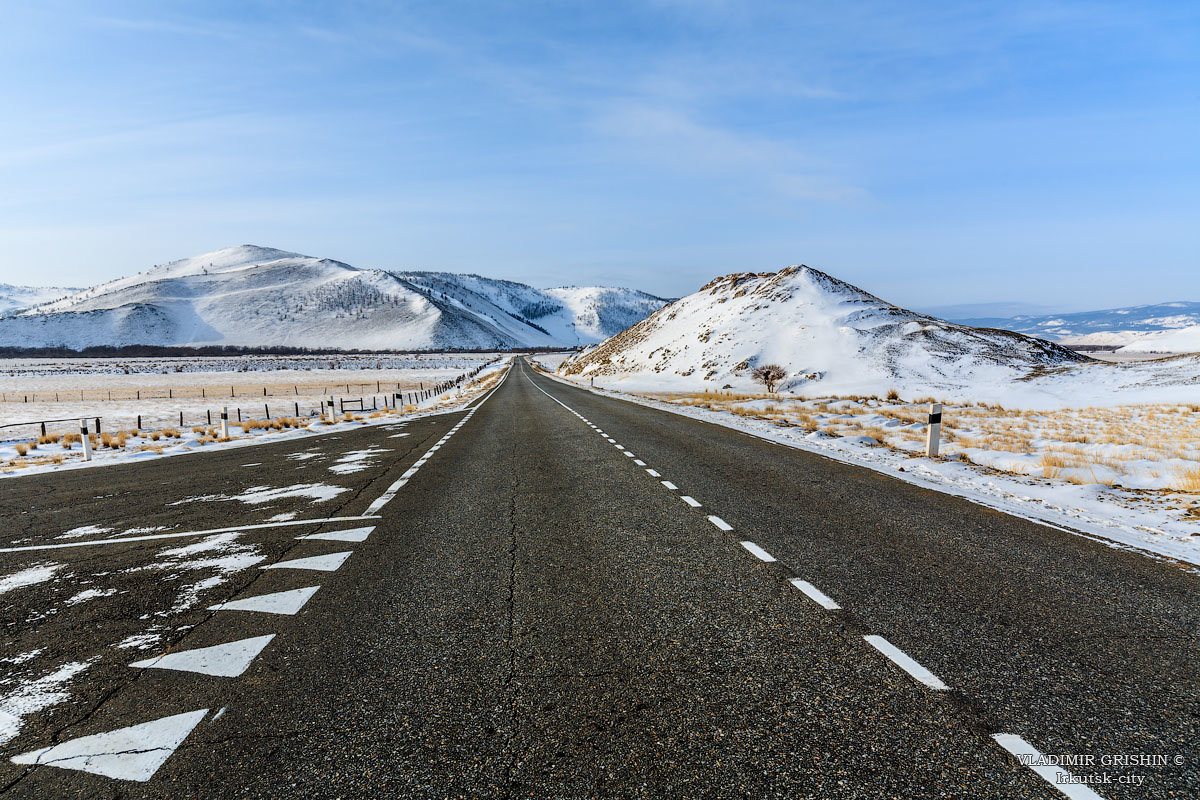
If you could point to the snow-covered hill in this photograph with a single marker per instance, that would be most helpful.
(13, 298)
(258, 296)
(829, 336)
(1180, 340)
(1140, 327)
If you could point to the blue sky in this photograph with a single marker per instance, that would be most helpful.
(930, 152)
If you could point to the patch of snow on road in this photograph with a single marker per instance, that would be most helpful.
(219, 542)
(34, 696)
(317, 492)
(139, 641)
(284, 517)
(29, 576)
(84, 530)
(89, 594)
(356, 460)
(21, 658)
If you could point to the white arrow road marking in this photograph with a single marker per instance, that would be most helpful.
(351, 535)
(223, 660)
(288, 602)
(1021, 748)
(132, 754)
(815, 594)
(325, 563)
(906, 663)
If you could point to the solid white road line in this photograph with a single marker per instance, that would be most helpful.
(720, 523)
(222, 660)
(1028, 755)
(759, 553)
(326, 563)
(183, 534)
(130, 754)
(691, 501)
(288, 602)
(906, 663)
(815, 594)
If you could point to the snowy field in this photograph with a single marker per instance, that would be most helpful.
(1128, 473)
(23, 449)
(159, 390)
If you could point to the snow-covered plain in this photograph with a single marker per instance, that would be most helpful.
(171, 439)
(158, 390)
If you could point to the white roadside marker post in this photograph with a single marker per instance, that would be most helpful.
(87, 443)
(935, 430)
(332, 414)
(225, 422)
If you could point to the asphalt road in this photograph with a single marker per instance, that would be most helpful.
(533, 612)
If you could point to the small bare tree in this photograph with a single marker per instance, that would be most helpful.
(768, 375)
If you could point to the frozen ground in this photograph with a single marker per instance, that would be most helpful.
(1128, 474)
(119, 443)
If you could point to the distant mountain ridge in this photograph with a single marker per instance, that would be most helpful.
(1147, 327)
(260, 296)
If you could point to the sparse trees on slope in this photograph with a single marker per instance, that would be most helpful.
(768, 375)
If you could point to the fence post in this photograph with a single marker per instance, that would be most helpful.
(87, 443)
(97, 425)
(297, 409)
(225, 422)
(933, 443)
(181, 419)
(208, 411)
(139, 425)
(267, 410)
(43, 429)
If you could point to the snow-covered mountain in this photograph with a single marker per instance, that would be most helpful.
(258, 296)
(13, 298)
(1139, 327)
(829, 336)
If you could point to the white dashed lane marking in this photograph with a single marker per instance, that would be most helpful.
(815, 594)
(691, 501)
(288, 602)
(670, 485)
(326, 563)
(1028, 754)
(653, 473)
(130, 754)
(222, 660)
(906, 663)
(720, 523)
(759, 553)
(351, 535)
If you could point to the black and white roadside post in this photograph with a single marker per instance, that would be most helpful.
(935, 430)
(225, 422)
(332, 412)
(87, 442)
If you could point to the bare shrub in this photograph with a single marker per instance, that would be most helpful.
(768, 375)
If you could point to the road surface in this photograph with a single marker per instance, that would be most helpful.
(558, 594)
